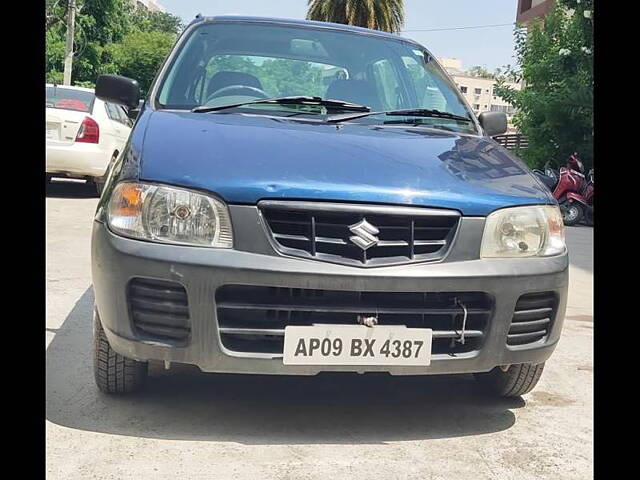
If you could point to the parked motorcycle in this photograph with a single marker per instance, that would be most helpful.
(568, 188)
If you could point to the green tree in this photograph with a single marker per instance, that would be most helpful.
(279, 77)
(138, 56)
(152, 21)
(287, 77)
(386, 15)
(103, 29)
(555, 106)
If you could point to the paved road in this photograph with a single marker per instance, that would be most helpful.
(192, 425)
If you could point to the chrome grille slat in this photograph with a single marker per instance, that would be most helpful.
(280, 332)
(252, 319)
(323, 231)
(348, 308)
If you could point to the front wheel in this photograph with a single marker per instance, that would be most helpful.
(113, 372)
(516, 380)
(572, 213)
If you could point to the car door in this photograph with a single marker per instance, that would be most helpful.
(115, 123)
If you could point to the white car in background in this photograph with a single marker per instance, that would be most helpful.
(83, 134)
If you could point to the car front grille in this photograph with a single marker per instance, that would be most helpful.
(360, 235)
(251, 319)
(532, 318)
(159, 310)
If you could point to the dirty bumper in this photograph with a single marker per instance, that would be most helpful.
(205, 273)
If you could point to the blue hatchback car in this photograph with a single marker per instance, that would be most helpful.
(299, 197)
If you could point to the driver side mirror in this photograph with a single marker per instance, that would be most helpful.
(119, 90)
(493, 123)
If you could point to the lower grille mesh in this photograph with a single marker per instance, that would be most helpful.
(159, 310)
(252, 319)
(532, 318)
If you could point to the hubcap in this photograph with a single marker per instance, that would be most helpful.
(571, 213)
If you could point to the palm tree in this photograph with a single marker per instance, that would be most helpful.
(387, 15)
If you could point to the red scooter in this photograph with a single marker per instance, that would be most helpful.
(569, 188)
(584, 199)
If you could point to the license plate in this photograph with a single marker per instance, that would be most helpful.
(52, 133)
(356, 345)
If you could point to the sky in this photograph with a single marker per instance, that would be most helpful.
(490, 47)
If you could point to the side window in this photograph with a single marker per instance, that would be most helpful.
(112, 112)
(388, 84)
(124, 118)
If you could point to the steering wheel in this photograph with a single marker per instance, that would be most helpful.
(238, 90)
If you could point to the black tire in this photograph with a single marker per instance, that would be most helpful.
(572, 213)
(517, 380)
(113, 372)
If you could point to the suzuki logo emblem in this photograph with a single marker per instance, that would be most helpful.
(364, 234)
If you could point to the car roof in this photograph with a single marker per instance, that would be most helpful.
(71, 87)
(302, 23)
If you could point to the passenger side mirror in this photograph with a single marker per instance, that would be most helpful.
(119, 90)
(493, 123)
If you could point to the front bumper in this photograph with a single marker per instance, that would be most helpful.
(116, 260)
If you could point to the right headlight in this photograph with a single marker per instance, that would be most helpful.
(160, 213)
(532, 231)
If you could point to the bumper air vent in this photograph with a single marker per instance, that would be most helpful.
(159, 310)
(532, 318)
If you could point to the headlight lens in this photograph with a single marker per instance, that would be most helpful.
(169, 215)
(536, 231)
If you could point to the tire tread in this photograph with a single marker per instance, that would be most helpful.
(516, 381)
(113, 372)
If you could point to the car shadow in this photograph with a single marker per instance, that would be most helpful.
(186, 404)
(60, 188)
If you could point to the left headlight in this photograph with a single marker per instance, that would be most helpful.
(166, 214)
(535, 231)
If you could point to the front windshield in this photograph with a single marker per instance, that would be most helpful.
(229, 63)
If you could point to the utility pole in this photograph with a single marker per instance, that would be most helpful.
(68, 54)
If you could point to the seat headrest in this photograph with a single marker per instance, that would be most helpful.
(225, 79)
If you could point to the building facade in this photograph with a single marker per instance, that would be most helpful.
(531, 9)
(151, 5)
(479, 92)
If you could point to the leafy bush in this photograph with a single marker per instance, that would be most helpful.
(555, 107)
(54, 77)
(139, 56)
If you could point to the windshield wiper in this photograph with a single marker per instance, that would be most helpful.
(297, 100)
(414, 112)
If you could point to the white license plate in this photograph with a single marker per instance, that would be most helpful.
(357, 345)
(52, 133)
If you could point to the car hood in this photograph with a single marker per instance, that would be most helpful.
(245, 158)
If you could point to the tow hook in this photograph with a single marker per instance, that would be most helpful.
(464, 321)
(368, 320)
(504, 368)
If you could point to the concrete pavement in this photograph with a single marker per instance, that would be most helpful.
(193, 425)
